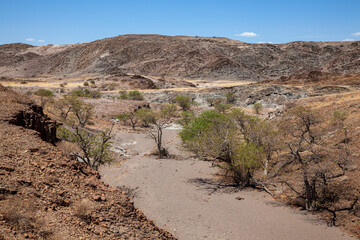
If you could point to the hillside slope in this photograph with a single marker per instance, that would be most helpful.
(180, 56)
(45, 195)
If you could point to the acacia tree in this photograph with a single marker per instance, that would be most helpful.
(184, 102)
(94, 149)
(146, 116)
(132, 117)
(215, 135)
(73, 110)
(75, 114)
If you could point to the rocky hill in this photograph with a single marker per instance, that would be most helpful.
(46, 195)
(179, 56)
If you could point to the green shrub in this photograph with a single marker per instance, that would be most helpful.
(186, 118)
(257, 107)
(230, 97)
(85, 93)
(146, 116)
(135, 95)
(123, 95)
(44, 93)
(184, 102)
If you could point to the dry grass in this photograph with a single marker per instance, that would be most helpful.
(83, 210)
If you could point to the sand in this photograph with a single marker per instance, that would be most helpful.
(181, 196)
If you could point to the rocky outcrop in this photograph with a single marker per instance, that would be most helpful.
(34, 118)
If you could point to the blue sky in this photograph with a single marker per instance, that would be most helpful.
(41, 22)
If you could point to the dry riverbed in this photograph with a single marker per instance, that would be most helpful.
(182, 196)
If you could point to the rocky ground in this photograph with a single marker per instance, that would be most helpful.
(46, 195)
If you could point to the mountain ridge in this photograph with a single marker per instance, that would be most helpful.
(180, 57)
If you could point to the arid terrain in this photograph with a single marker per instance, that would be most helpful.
(48, 192)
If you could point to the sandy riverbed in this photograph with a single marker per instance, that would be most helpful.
(181, 196)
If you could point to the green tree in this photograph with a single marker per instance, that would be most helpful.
(94, 149)
(131, 117)
(246, 159)
(146, 116)
(186, 118)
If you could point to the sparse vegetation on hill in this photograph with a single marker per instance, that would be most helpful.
(181, 56)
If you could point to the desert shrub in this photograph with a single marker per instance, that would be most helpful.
(338, 120)
(230, 97)
(83, 210)
(85, 93)
(168, 110)
(92, 81)
(73, 111)
(257, 107)
(136, 95)
(23, 82)
(20, 214)
(203, 135)
(44, 93)
(305, 137)
(184, 102)
(45, 96)
(146, 116)
(86, 84)
(220, 105)
(129, 117)
(161, 120)
(123, 95)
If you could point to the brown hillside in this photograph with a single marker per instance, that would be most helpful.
(45, 195)
(180, 56)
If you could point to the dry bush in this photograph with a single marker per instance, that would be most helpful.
(21, 214)
(83, 210)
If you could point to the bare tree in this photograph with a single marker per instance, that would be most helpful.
(161, 120)
(304, 137)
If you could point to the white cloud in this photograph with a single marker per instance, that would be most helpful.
(348, 40)
(263, 42)
(247, 34)
(356, 34)
(42, 41)
(30, 39)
